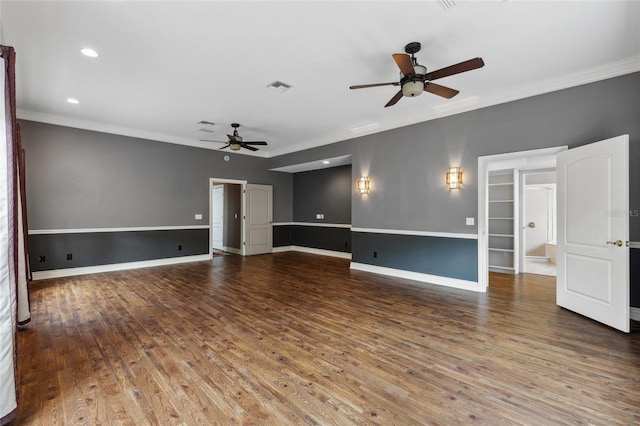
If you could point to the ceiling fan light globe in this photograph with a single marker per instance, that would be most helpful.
(413, 88)
(419, 69)
(235, 147)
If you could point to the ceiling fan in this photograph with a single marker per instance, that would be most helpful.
(236, 142)
(414, 78)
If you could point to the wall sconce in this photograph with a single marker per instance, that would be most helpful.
(362, 185)
(454, 177)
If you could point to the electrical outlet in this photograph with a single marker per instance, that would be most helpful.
(69, 256)
(471, 221)
(319, 215)
(375, 254)
(180, 247)
(42, 259)
(198, 216)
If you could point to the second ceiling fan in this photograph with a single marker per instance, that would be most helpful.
(236, 142)
(414, 78)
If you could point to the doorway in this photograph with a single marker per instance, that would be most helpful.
(516, 163)
(538, 222)
(240, 217)
(226, 215)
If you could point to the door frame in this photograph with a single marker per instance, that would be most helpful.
(544, 158)
(212, 207)
(521, 212)
(242, 183)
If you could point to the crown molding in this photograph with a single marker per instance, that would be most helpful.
(95, 126)
(603, 72)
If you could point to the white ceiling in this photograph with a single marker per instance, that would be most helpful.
(165, 66)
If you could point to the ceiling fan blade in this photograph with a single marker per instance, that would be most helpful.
(395, 99)
(249, 147)
(255, 143)
(363, 86)
(226, 146)
(443, 91)
(404, 63)
(209, 140)
(469, 65)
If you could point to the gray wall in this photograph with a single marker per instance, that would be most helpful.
(84, 179)
(327, 191)
(81, 179)
(407, 165)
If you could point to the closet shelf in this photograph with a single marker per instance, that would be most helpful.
(500, 218)
(501, 235)
(501, 201)
(499, 249)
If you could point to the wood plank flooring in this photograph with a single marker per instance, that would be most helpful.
(294, 338)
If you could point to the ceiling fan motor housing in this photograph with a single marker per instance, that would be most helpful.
(413, 84)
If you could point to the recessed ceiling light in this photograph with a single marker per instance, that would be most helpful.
(89, 52)
(73, 101)
(326, 162)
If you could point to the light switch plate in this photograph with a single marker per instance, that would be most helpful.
(198, 216)
(319, 215)
(471, 221)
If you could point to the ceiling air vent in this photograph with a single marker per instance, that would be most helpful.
(206, 126)
(447, 4)
(279, 86)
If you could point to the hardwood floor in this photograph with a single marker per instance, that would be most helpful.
(294, 338)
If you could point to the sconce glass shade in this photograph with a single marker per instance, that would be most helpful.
(413, 88)
(454, 178)
(362, 185)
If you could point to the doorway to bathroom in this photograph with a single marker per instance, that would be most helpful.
(538, 221)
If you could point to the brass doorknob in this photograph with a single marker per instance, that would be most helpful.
(531, 224)
(615, 243)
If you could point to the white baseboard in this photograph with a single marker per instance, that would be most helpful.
(70, 272)
(232, 250)
(417, 276)
(310, 250)
(634, 313)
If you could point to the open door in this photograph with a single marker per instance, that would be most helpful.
(217, 217)
(258, 221)
(593, 231)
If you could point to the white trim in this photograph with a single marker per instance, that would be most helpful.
(318, 224)
(417, 233)
(123, 229)
(601, 72)
(634, 313)
(232, 250)
(70, 272)
(310, 250)
(95, 126)
(417, 276)
(215, 181)
(521, 160)
(283, 249)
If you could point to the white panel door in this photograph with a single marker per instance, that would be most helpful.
(217, 217)
(593, 231)
(258, 220)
